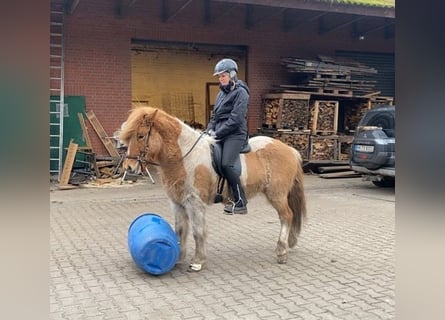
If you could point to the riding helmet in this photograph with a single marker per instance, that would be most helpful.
(226, 65)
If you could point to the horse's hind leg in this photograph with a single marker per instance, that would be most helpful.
(196, 212)
(285, 215)
(181, 228)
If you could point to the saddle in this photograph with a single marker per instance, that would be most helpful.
(216, 153)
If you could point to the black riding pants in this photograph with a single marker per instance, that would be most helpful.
(231, 148)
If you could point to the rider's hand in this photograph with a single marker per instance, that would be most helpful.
(211, 133)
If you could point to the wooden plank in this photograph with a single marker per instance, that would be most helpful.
(102, 134)
(337, 175)
(68, 165)
(89, 146)
(299, 96)
(334, 169)
(315, 118)
(88, 143)
(317, 93)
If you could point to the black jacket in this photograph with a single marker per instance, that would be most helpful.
(229, 116)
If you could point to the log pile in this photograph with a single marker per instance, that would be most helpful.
(353, 115)
(298, 140)
(324, 148)
(271, 108)
(329, 76)
(312, 126)
(324, 117)
(295, 114)
(286, 111)
(345, 143)
(309, 129)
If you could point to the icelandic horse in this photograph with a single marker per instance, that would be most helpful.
(183, 158)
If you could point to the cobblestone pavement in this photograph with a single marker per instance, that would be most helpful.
(342, 268)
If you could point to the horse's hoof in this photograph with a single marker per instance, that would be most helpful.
(282, 259)
(194, 267)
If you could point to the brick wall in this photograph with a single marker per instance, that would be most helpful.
(98, 55)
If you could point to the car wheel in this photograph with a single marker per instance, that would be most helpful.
(385, 183)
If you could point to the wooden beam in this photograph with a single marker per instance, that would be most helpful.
(270, 14)
(249, 16)
(131, 3)
(288, 25)
(123, 6)
(166, 15)
(227, 10)
(207, 12)
(376, 28)
(324, 29)
(71, 5)
(68, 165)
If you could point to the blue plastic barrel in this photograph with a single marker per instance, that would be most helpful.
(153, 244)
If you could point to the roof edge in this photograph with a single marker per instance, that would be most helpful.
(324, 5)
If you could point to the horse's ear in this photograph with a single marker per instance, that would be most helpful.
(148, 119)
(154, 114)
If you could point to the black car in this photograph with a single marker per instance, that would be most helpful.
(373, 147)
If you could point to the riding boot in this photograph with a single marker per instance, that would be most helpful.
(239, 205)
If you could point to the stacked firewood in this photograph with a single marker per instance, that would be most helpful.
(310, 126)
(295, 114)
(271, 108)
(324, 148)
(298, 140)
(286, 111)
(324, 117)
(353, 115)
(345, 144)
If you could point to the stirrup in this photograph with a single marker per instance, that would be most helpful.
(231, 208)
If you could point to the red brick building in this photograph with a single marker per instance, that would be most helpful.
(162, 52)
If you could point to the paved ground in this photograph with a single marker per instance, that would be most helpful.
(342, 268)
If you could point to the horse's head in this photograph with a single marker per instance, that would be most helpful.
(140, 136)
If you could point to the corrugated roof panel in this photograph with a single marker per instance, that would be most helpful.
(371, 3)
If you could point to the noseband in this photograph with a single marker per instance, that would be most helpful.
(142, 157)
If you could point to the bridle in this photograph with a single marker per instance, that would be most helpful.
(141, 158)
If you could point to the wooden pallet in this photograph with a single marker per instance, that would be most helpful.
(106, 140)
(323, 148)
(68, 165)
(335, 91)
(325, 117)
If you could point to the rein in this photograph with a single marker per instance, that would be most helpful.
(141, 157)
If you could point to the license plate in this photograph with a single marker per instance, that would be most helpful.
(364, 148)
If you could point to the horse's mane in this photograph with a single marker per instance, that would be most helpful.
(136, 118)
(143, 116)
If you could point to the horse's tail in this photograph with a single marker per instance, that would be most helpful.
(297, 203)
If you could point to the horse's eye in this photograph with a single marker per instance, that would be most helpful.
(140, 136)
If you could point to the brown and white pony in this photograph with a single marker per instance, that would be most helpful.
(183, 158)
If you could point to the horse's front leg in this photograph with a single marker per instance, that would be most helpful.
(196, 208)
(181, 228)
